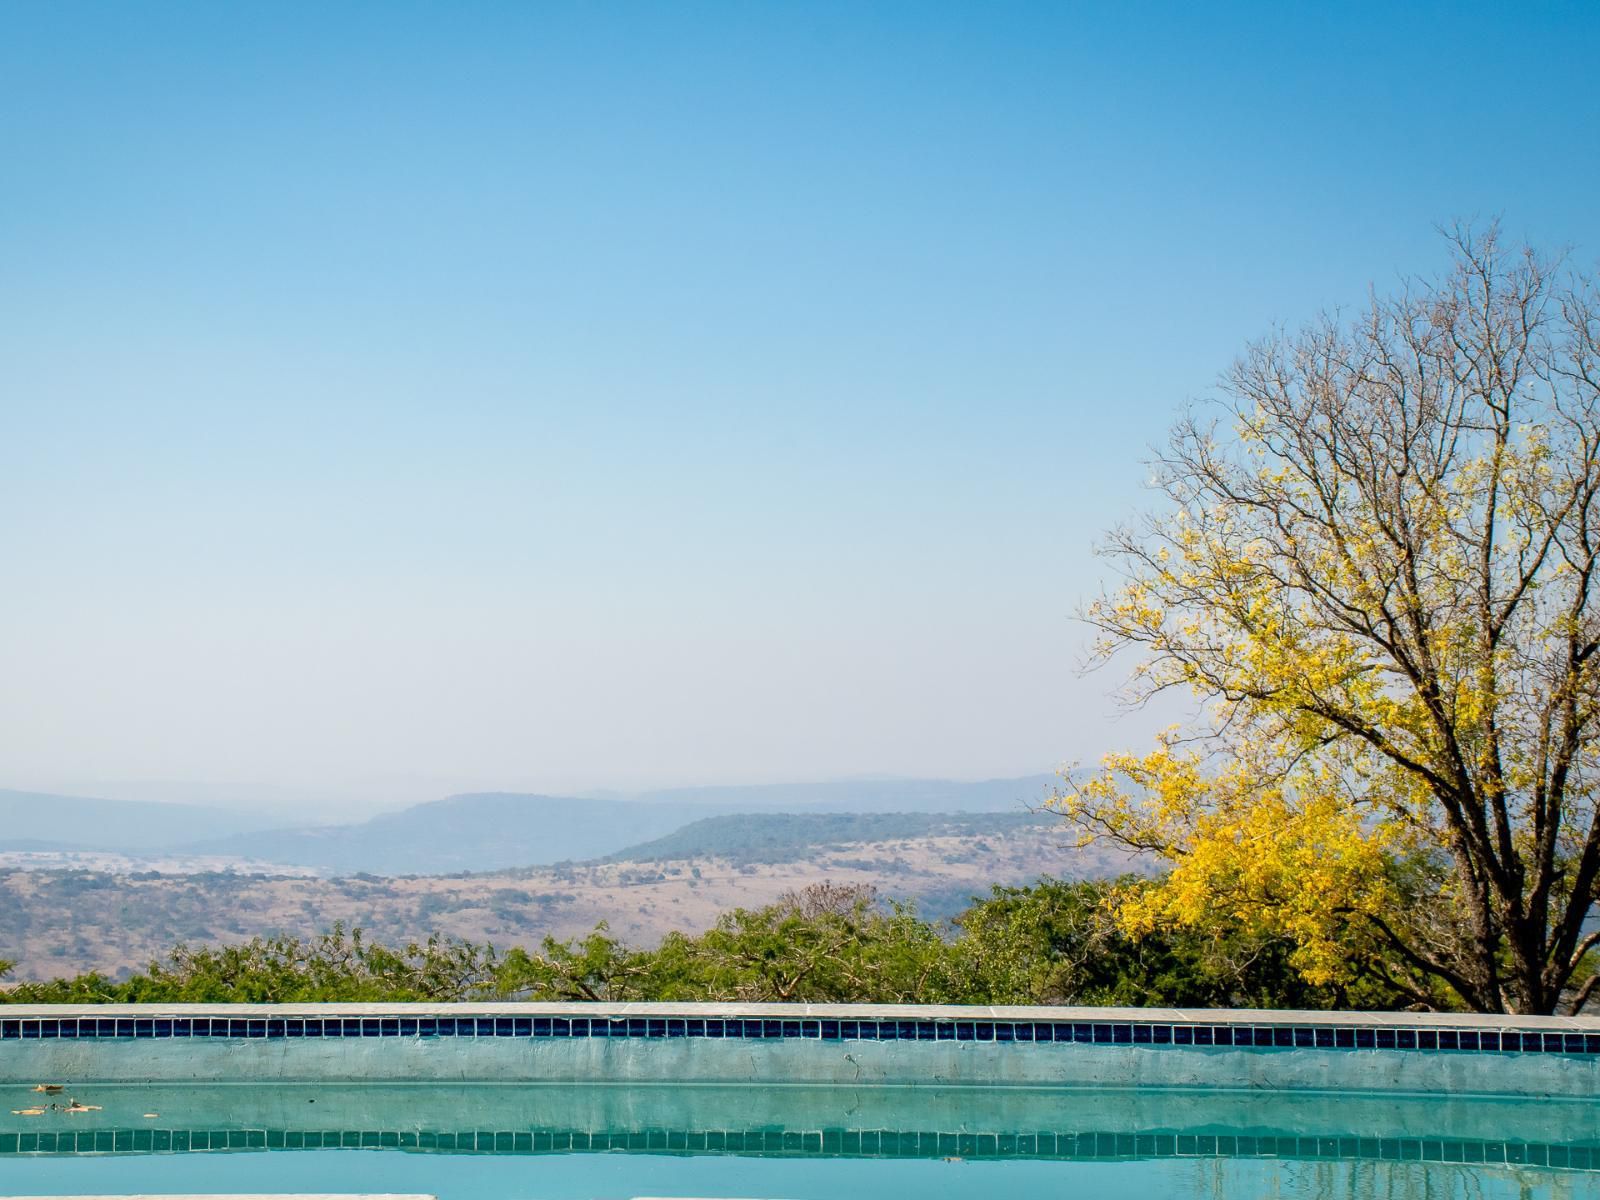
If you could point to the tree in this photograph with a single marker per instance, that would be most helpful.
(1377, 566)
(1058, 942)
(823, 943)
(596, 967)
(1050, 943)
(337, 966)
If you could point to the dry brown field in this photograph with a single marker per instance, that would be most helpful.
(55, 923)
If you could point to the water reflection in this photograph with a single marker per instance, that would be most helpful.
(927, 1123)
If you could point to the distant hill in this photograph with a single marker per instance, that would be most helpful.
(483, 832)
(869, 795)
(494, 831)
(745, 838)
(90, 823)
(55, 921)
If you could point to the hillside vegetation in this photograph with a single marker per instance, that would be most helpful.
(494, 831)
(1048, 943)
(63, 922)
(789, 837)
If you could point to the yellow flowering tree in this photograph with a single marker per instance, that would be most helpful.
(1377, 567)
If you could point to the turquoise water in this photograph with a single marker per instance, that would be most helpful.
(496, 1142)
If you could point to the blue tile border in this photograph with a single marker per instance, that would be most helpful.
(1151, 1035)
(828, 1143)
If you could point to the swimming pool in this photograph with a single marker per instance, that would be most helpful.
(798, 1102)
(498, 1141)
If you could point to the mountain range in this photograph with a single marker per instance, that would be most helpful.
(38, 820)
(474, 832)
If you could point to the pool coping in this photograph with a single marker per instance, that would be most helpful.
(778, 1024)
(901, 1012)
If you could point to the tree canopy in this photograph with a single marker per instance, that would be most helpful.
(1375, 565)
(1050, 943)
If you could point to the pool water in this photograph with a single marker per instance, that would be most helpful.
(564, 1142)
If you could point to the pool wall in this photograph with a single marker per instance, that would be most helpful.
(804, 1044)
(927, 1122)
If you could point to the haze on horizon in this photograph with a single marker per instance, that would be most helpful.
(401, 400)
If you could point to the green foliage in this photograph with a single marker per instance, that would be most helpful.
(1051, 943)
(825, 943)
(337, 966)
(1060, 943)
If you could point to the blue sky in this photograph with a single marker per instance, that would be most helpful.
(408, 397)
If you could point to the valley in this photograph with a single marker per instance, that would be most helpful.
(57, 922)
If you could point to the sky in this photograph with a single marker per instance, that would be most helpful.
(406, 398)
